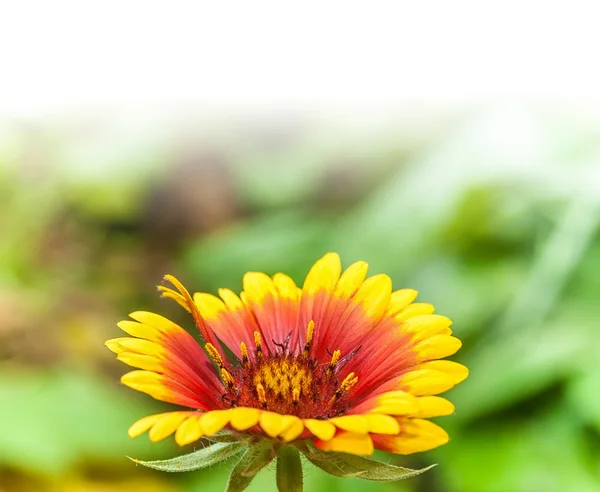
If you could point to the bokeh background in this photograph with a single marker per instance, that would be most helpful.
(455, 147)
(491, 214)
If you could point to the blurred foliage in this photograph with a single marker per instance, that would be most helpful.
(493, 217)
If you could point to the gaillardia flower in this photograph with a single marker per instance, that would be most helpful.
(342, 365)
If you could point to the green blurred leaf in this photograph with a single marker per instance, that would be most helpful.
(510, 369)
(285, 242)
(546, 454)
(55, 419)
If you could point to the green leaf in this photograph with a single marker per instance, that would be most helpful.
(202, 458)
(289, 470)
(257, 456)
(349, 465)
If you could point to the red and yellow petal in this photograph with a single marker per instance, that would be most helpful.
(173, 366)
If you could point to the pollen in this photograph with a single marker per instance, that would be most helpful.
(244, 351)
(310, 330)
(214, 355)
(258, 343)
(334, 360)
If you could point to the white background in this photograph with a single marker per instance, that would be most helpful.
(84, 55)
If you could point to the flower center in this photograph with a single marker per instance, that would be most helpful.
(286, 383)
(284, 378)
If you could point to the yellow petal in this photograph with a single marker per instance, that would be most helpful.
(168, 293)
(351, 279)
(213, 422)
(243, 418)
(424, 326)
(349, 442)
(114, 346)
(351, 423)
(293, 432)
(426, 382)
(417, 435)
(382, 424)
(457, 371)
(147, 362)
(374, 295)
(141, 377)
(231, 300)
(161, 323)
(142, 425)
(437, 347)
(166, 425)
(434, 406)
(415, 309)
(149, 383)
(396, 403)
(323, 275)
(400, 299)
(136, 345)
(273, 423)
(189, 431)
(139, 330)
(257, 286)
(286, 286)
(323, 429)
(210, 306)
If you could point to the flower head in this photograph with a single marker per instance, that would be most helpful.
(343, 362)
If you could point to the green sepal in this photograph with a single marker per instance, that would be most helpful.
(349, 465)
(289, 470)
(202, 458)
(258, 455)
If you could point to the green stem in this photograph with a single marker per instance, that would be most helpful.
(289, 470)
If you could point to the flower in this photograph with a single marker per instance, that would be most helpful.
(343, 363)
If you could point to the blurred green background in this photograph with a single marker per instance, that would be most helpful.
(491, 213)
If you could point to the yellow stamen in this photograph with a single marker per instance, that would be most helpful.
(244, 351)
(310, 329)
(214, 355)
(334, 360)
(295, 395)
(257, 342)
(227, 378)
(347, 384)
(260, 389)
